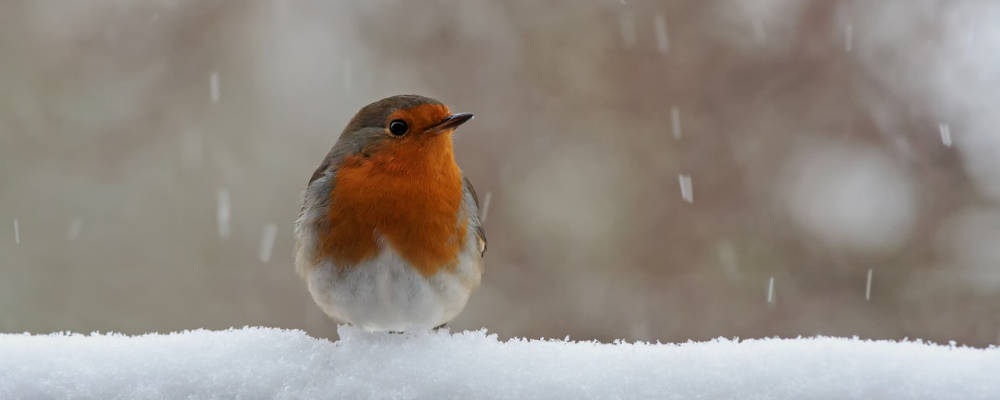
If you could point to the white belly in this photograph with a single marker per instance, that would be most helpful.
(385, 294)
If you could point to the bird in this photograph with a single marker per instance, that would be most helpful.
(389, 236)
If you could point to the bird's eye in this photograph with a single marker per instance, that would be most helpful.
(398, 127)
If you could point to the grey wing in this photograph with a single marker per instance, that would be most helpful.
(325, 165)
(317, 190)
(472, 206)
(315, 203)
(324, 178)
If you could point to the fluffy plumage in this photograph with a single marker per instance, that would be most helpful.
(389, 236)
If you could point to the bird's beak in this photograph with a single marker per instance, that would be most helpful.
(452, 122)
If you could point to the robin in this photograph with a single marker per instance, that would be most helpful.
(389, 236)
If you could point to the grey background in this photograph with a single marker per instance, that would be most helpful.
(811, 131)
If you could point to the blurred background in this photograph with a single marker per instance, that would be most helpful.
(656, 170)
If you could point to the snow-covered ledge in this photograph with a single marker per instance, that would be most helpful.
(274, 363)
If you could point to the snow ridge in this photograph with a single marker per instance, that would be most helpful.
(266, 363)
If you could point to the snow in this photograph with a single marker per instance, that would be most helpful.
(660, 30)
(74, 229)
(850, 197)
(627, 22)
(222, 213)
(267, 242)
(770, 290)
(484, 212)
(687, 192)
(213, 83)
(868, 286)
(675, 121)
(274, 363)
(945, 134)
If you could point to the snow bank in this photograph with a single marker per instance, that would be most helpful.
(274, 363)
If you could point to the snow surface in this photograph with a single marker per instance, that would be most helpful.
(265, 363)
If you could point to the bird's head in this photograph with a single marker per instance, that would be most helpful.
(401, 126)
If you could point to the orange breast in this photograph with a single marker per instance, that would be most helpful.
(407, 194)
